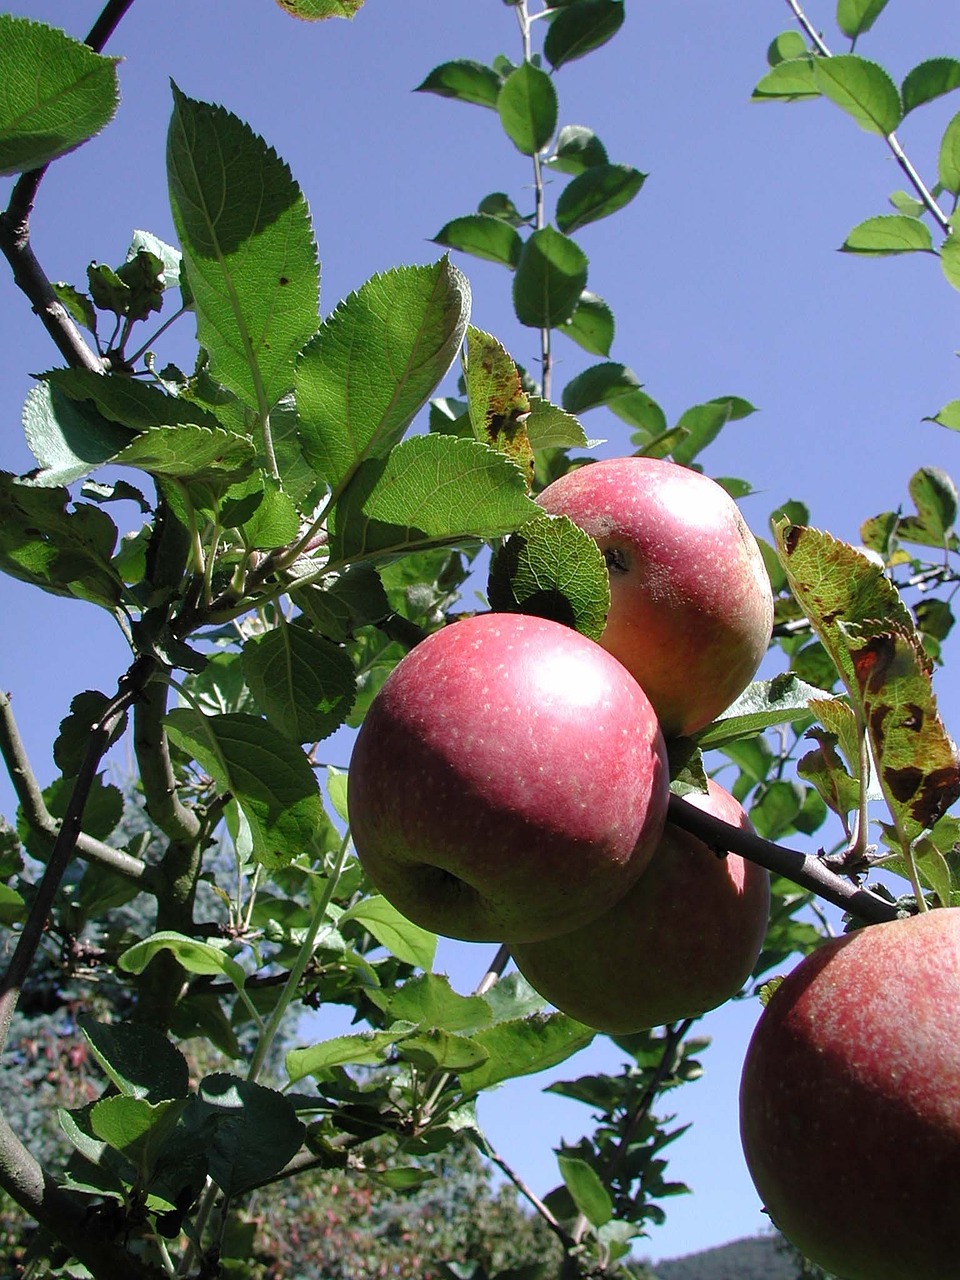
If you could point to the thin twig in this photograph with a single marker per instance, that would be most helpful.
(35, 812)
(913, 177)
(565, 1238)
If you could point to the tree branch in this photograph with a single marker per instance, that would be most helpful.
(803, 869)
(38, 816)
(64, 848)
(152, 750)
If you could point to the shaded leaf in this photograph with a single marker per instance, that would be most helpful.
(577, 149)
(188, 453)
(948, 159)
(854, 17)
(464, 80)
(527, 104)
(589, 1194)
(136, 1127)
(550, 277)
(592, 324)
(929, 80)
(57, 93)
(302, 682)
(428, 1000)
(268, 775)
(256, 1131)
(597, 193)
(365, 1049)
(552, 569)
(549, 427)
(597, 385)
(580, 27)
(524, 1047)
(702, 423)
(68, 438)
(190, 953)
(793, 80)
(483, 236)
(787, 45)
(140, 1060)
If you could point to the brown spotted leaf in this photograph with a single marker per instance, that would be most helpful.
(499, 406)
(870, 635)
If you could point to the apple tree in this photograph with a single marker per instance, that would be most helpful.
(303, 504)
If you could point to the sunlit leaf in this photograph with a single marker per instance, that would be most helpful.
(465, 81)
(863, 89)
(889, 233)
(483, 236)
(527, 104)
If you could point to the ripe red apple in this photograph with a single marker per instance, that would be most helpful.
(683, 939)
(850, 1102)
(509, 780)
(691, 607)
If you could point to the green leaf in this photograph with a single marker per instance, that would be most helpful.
(256, 1131)
(592, 324)
(68, 438)
(854, 17)
(549, 427)
(440, 1050)
(597, 193)
(552, 569)
(580, 27)
(889, 233)
(577, 149)
(132, 404)
(935, 495)
(782, 700)
(950, 258)
(137, 1128)
(78, 304)
(863, 89)
(824, 769)
(56, 93)
(140, 1060)
(365, 1049)
(404, 939)
(787, 45)
(550, 278)
(793, 80)
(589, 1194)
(948, 416)
(268, 775)
(428, 1000)
(499, 205)
(599, 384)
(432, 490)
(525, 1047)
(907, 204)
(483, 236)
(190, 953)
(374, 364)
(13, 909)
(464, 80)
(248, 250)
(303, 683)
(189, 453)
(527, 104)
(342, 601)
(948, 160)
(929, 80)
(65, 552)
(318, 10)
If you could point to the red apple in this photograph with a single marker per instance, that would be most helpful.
(691, 607)
(682, 940)
(850, 1102)
(509, 781)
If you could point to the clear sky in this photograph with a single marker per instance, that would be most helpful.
(723, 276)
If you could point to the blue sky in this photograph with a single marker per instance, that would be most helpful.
(723, 276)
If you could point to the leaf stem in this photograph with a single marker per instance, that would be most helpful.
(265, 1042)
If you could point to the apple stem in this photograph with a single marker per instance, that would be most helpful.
(803, 869)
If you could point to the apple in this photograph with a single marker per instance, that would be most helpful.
(850, 1102)
(683, 939)
(691, 610)
(509, 781)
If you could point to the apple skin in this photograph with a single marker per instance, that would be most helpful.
(691, 610)
(683, 939)
(509, 781)
(850, 1102)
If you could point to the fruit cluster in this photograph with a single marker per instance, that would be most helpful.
(510, 780)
